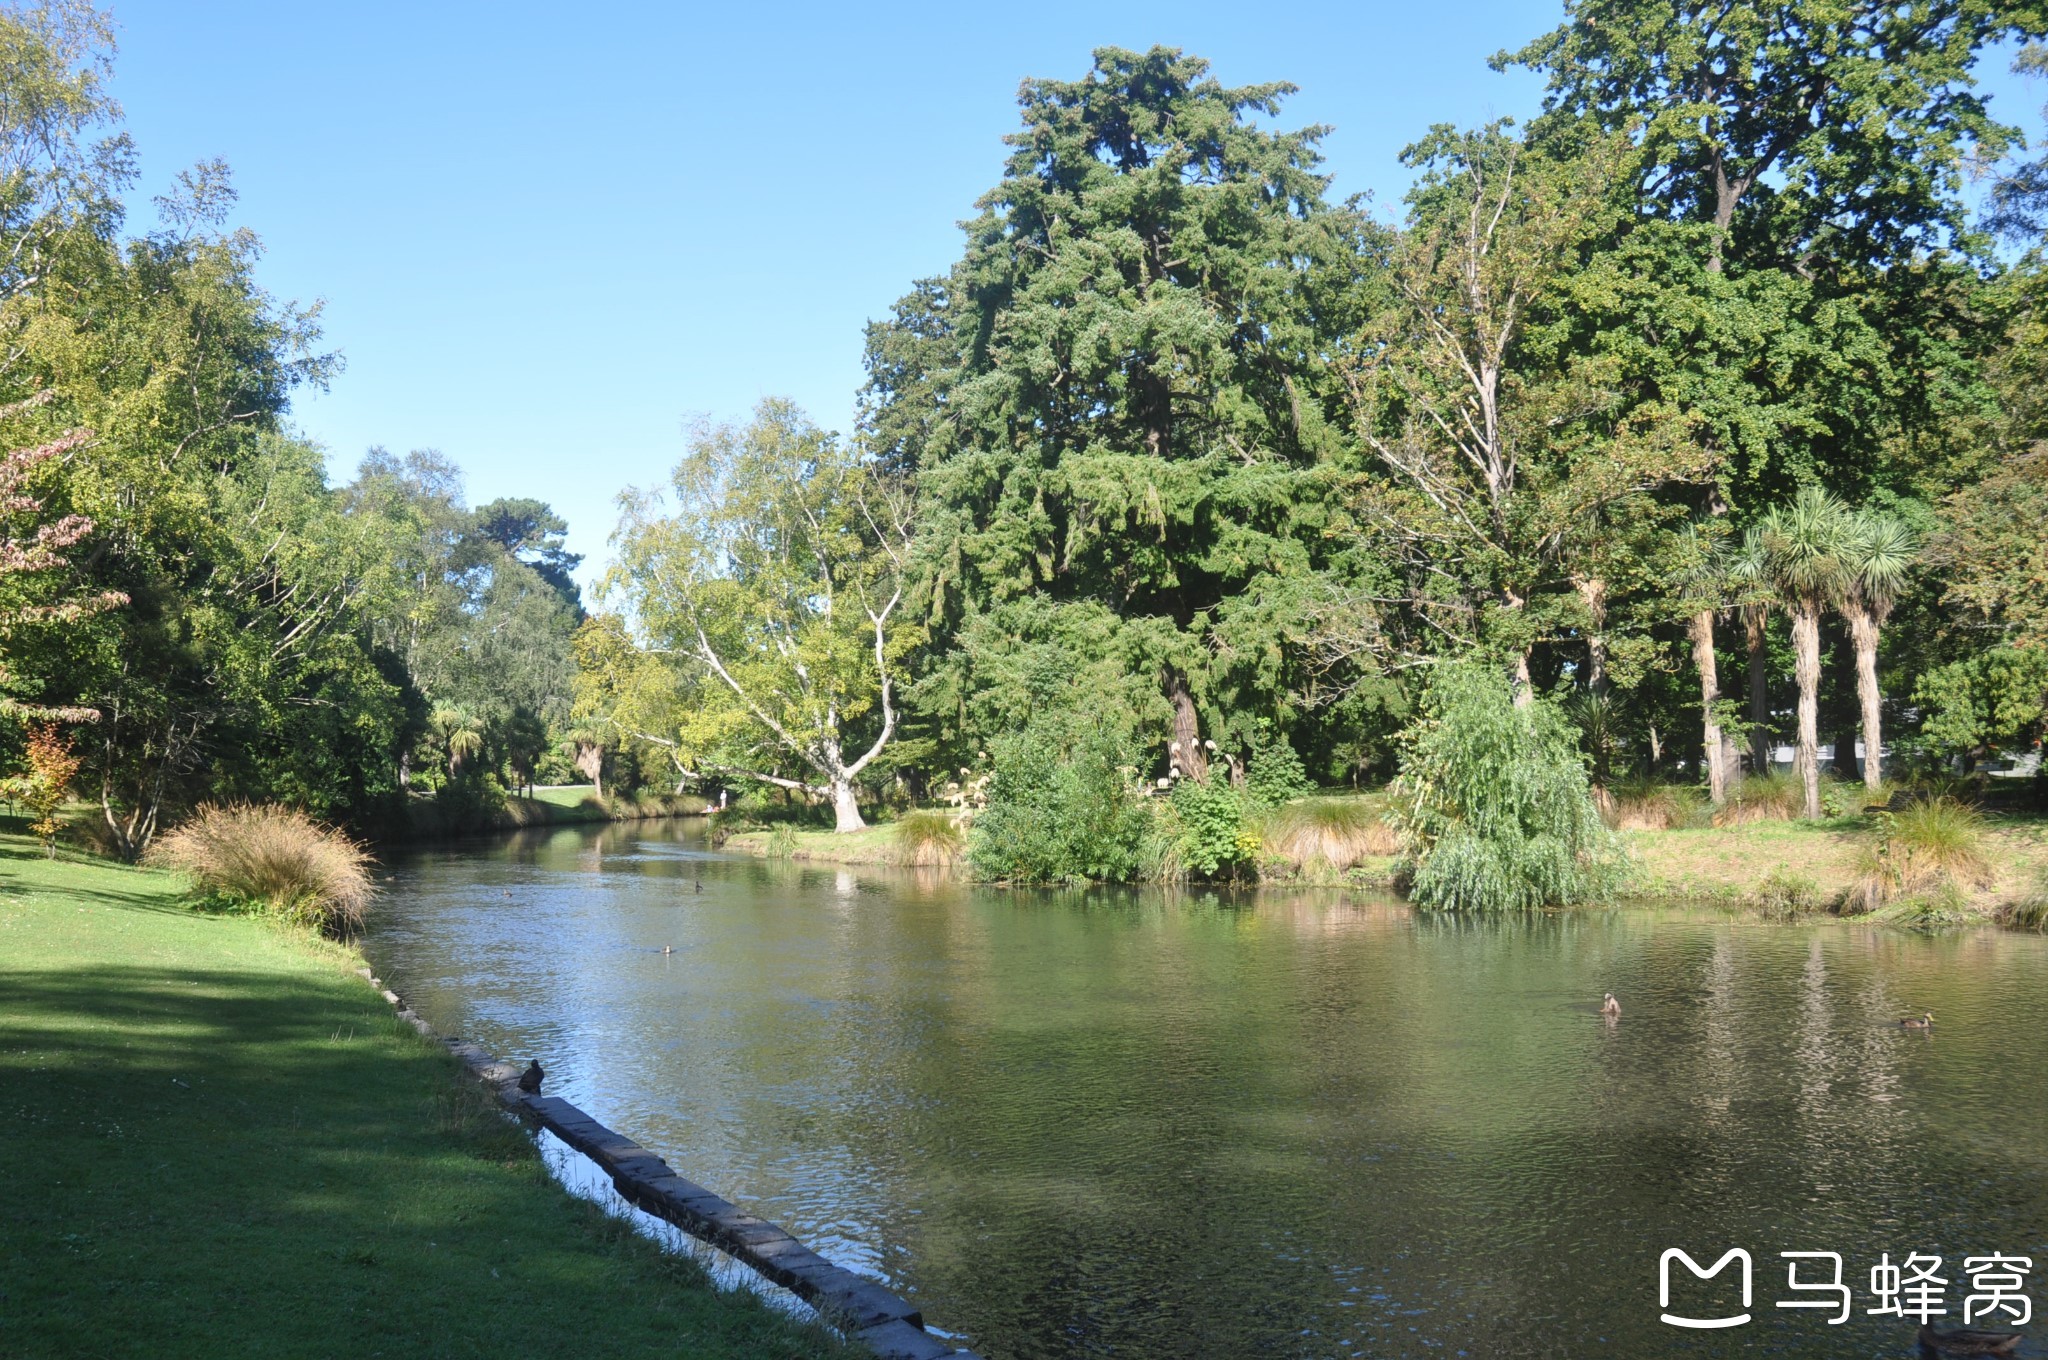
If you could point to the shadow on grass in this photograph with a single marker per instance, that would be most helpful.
(206, 1161)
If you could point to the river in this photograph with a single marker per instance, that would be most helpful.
(1146, 1124)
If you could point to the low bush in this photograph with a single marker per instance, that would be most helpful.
(1494, 803)
(1932, 848)
(1784, 894)
(1335, 833)
(1211, 826)
(275, 858)
(928, 837)
(1060, 807)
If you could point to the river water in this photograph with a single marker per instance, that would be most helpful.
(1137, 1124)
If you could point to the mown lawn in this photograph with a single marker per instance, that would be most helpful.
(219, 1142)
(1730, 862)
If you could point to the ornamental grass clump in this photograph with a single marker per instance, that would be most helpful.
(1333, 832)
(277, 859)
(928, 837)
(1493, 801)
(1931, 851)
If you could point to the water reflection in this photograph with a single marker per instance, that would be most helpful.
(1220, 1124)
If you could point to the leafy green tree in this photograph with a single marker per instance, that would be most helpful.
(1498, 441)
(1121, 400)
(774, 592)
(1826, 135)
(1494, 802)
(534, 535)
(1995, 699)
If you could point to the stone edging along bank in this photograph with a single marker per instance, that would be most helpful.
(863, 1309)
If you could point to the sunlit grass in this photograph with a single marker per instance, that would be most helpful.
(236, 1148)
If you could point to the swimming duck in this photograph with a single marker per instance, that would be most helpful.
(666, 950)
(1609, 1006)
(1969, 1341)
(1924, 1022)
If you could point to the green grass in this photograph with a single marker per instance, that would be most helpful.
(875, 845)
(221, 1143)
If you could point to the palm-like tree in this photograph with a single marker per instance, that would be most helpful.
(1803, 553)
(457, 734)
(1879, 553)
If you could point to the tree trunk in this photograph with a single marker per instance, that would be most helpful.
(1710, 693)
(1187, 749)
(1806, 654)
(1754, 617)
(1593, 591)
(1863, 632)
(1844, 721)
(1525, 688)
(845, 808)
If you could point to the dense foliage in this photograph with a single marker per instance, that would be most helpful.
(1696, 406)
(1494, 802)
(180, 583)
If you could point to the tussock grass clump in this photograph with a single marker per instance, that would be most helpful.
(1931, 851)
(276, 858)
(1650, 805)
(1770, 797)
(929, 837)
(1336, 832)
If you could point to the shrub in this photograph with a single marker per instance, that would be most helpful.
(1337, 832)
(276, 858)
(1060, 807)
(1932, 848)
(44, 785)
(1275, 774)
(1494, 804)
(1783, 893)
(1213, 837)
(928, 837)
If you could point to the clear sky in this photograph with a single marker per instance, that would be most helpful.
(547, 236)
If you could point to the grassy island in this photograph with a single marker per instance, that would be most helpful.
(221, 1142)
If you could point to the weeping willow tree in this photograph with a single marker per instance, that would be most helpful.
(1494, 803)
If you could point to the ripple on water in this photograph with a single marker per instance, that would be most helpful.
(1125, 1124)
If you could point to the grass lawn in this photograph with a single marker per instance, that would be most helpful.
(875, 845)
(220, 1142)
(1729, 862)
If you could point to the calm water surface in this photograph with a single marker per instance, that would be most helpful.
(1140, 1125)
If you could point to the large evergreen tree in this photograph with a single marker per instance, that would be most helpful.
(1120, 403)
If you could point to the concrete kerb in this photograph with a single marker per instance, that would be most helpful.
(862, 1308)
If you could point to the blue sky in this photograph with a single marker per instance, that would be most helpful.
(547, 236)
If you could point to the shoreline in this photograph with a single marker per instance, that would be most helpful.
(1784, 869)
(232, 1136)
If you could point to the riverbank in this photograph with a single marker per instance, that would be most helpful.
(221, 1141)
(1760, 863)
(427, 819)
